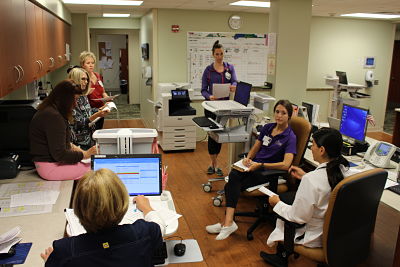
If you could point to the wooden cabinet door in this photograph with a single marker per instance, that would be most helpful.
(34, 66)
(49, 41)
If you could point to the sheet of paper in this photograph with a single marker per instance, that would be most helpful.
(5, 247)
(7, 236)
(221, 90)
(34, 198)
(108, 98)
(6, 190)
(390, 183)
(7, 211)
(266, 191)
(238, 165)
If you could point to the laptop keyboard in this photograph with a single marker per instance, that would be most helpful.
(205, 122)
(395, 188)
(160, 254)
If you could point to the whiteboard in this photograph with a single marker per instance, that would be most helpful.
(246, 52)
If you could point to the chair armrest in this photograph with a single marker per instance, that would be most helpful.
(274, 175)
(289, 234)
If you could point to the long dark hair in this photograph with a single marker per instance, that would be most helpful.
(62, 97)
(288, 106)
(216, 45)
(332, 141)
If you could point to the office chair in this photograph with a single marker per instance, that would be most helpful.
(302, 130)
(349, 221)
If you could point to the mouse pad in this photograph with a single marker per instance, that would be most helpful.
(22, 250)
(192, 253)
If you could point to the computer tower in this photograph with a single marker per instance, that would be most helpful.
(15, 118)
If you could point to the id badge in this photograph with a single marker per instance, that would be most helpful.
(266, 140)
(228, 76)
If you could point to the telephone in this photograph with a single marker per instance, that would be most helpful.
(380, 154)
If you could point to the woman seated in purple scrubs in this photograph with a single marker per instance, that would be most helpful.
(274, 149)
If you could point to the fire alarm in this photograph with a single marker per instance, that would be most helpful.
(175, 28)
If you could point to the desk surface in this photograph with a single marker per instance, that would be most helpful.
(388, 197)
(43, 229)
(40, 229)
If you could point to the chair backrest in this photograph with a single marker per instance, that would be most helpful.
(350, 217)
(302, 129)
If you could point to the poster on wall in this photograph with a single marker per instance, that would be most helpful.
(105, 55)
(247, 52)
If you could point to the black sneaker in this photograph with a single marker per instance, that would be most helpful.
(276, 260)
(210, 170)
(219, 172)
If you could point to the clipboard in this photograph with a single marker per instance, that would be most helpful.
(21, 252)
(221, 90)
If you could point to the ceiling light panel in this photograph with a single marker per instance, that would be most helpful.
(371, 16)
(115, 15)
(251, 3)
(104, 2)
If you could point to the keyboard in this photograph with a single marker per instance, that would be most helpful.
(395, 188)
(226, 105)
(205, 122)
(160, 254)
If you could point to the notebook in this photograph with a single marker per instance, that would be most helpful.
(140, 173)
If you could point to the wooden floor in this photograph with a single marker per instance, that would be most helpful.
(187, 171)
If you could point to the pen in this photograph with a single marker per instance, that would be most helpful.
(134, 207)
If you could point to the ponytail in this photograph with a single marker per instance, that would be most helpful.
(332, 141)
(216, 45)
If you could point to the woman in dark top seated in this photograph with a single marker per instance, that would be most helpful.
(55, 157)
(100, 203)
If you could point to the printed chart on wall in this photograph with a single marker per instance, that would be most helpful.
(247, 52)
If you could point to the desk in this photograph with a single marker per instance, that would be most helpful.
(40, 229)
(43, 229)
(388, 197)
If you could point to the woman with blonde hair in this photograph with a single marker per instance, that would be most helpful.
(100, 202)
(83, 114)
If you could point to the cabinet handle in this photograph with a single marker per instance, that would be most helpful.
(52, 62)
(19, 74)
(60, 58)
(178, 130)
(40, 66)
(179, 135)
(23, 72)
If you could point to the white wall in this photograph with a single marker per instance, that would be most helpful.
(114, 23)
(58, 8)
(342, 44)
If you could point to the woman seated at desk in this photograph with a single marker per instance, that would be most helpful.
(312, 197)
(55, 157)
(100, 202)
(274, 149)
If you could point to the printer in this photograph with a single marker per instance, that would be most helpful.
(174, 117)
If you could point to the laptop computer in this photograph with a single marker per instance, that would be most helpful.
(140, 173)
(242, 93)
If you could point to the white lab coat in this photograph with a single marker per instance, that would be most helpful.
(309, 207)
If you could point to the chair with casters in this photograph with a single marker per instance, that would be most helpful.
(349, 222)
(302, 129)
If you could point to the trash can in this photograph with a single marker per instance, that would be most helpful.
(123, 85)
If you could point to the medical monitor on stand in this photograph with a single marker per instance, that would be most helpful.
(353, 126)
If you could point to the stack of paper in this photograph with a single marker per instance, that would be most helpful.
(9, 239)
(239, 166)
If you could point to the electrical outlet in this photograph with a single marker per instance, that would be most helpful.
(376, 82)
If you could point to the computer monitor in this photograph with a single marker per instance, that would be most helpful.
(242, 93)
(312, 111)
(342, 77)
(353, 123)
(140, 173)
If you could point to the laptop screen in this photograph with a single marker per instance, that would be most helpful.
(140, 173)
(242, 94)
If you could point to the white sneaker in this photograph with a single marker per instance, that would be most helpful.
(226, 231)
(214, 229)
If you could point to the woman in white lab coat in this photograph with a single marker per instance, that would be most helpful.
(312, 197)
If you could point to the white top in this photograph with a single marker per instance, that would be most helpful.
(309, 207)
(152, 216)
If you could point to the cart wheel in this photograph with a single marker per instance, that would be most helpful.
(250, 237)
(207, 187)
(217, 201)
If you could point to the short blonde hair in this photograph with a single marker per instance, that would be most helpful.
(100, 201)
(84, 55)
(75, 74)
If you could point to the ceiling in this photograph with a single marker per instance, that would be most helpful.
(320, 7)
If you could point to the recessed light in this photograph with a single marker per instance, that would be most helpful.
(115, 15)
(251, 3)
(104, 2)
(370, 15)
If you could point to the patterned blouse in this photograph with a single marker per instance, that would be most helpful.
(82, 132)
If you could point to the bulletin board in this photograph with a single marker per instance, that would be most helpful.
(246, 52)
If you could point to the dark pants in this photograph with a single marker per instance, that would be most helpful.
(240, 181)
(99, 124)
(213, 147)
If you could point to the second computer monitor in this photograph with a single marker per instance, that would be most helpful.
(353, 123)
(342, 77)
(242, 93)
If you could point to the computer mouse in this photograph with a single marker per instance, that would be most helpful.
(179, 249)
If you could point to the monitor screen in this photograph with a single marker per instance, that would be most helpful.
(383, 149)
(140, 173)
(242, 93)
(309, 108)
(342, 77)
(354, 122)
(180, 94)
